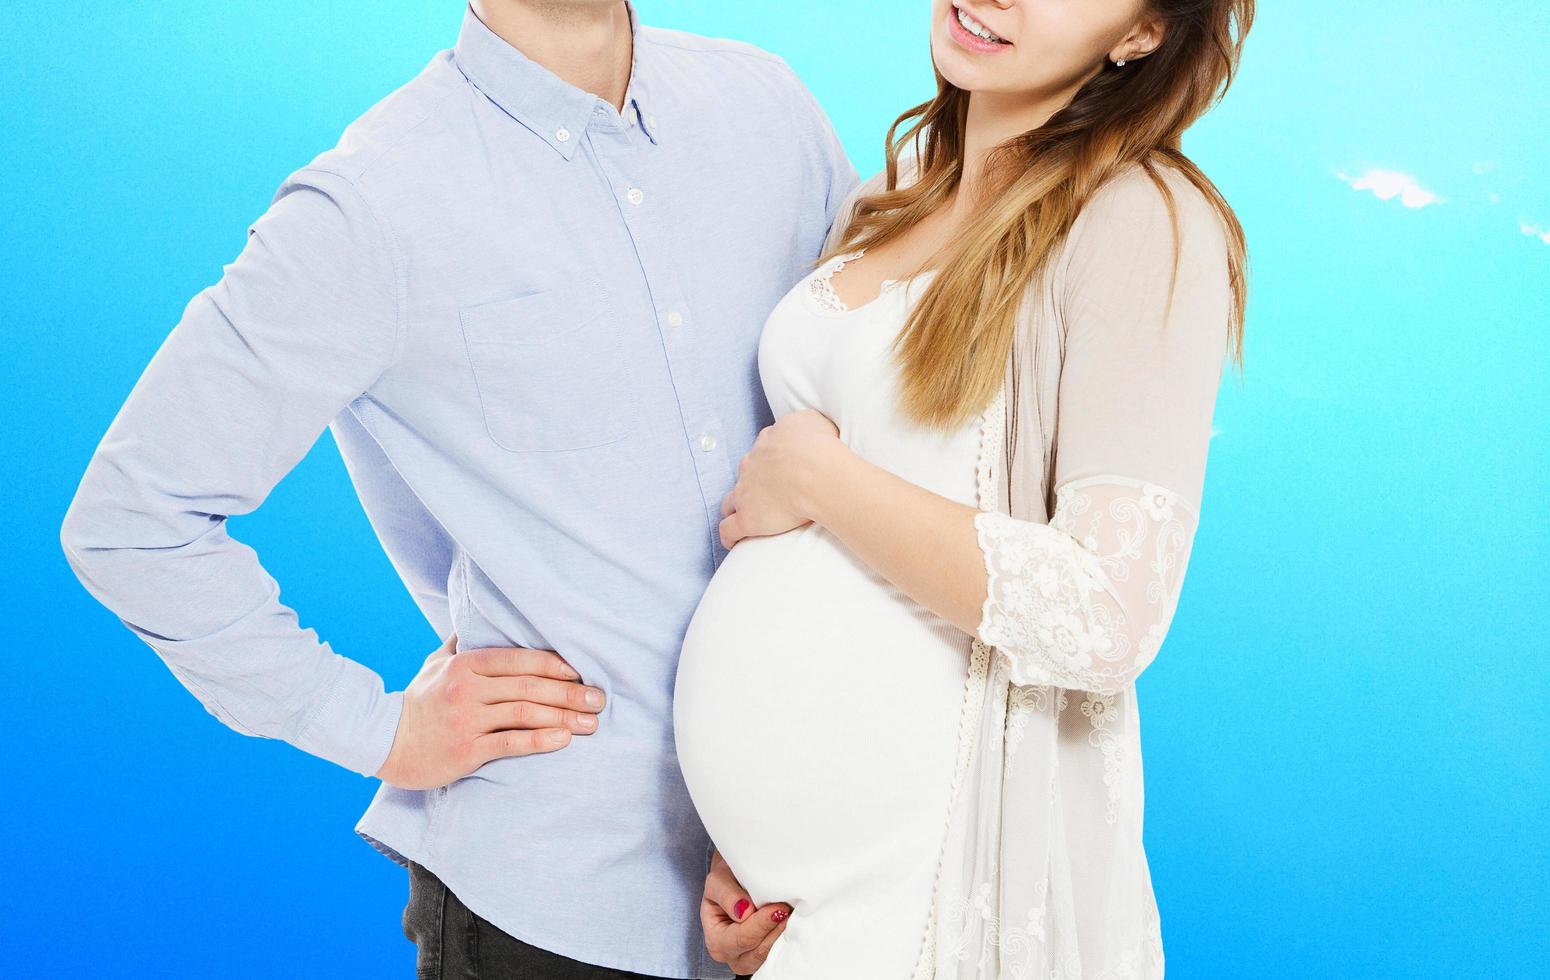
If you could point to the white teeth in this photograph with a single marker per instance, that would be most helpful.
(975, 27)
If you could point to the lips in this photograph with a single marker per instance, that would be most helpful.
(973, 34)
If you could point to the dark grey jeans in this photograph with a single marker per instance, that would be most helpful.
(453, 942)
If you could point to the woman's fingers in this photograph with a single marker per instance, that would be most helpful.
(755, 959)
(723, 890)
(735, 932)
(730, 529)
(733, 942)
(754, 936)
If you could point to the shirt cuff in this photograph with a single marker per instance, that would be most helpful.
(355, 725)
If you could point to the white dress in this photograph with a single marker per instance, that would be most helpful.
(1089, 477)
(817, 706)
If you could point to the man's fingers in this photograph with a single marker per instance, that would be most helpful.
(541, 690)
(505, 661)
(497, 745)
(526, 714)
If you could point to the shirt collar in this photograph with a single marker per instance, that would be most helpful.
(557, 111)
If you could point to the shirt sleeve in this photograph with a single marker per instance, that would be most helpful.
(1085, 601)
(838, 174)
(304, 320)
(846, 212)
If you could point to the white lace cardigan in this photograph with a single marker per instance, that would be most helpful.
(1108, 398)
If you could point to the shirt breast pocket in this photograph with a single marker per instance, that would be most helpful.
(549, 372)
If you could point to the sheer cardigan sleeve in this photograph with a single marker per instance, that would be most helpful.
(1084, 601)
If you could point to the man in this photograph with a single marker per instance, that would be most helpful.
(524, 293)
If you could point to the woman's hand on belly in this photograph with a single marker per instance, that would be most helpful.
(736, 933)
(775, 476)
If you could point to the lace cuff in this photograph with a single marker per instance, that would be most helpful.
(1084, 601)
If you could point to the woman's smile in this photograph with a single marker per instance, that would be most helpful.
(972, 34)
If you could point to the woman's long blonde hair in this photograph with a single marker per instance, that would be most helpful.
(953, 348)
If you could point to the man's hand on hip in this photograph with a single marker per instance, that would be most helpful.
(464, 709)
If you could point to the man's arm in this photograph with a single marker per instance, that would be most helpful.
(303, 321)
(833, 167)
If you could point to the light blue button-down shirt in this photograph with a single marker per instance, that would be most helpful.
(530, 322)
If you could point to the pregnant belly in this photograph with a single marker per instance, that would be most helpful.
(816, 718)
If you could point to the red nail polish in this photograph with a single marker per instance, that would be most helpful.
(779, 915)
(739, 909)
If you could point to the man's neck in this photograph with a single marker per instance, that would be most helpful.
(588, 45)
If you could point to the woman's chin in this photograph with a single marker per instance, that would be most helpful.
(960, 69)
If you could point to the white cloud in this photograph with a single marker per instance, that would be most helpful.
(1535, 231)
(1389, 184)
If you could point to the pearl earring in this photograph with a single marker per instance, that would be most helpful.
(1120, 63)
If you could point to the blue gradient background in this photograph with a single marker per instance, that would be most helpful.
(1345, 734)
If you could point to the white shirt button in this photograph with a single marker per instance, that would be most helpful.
(562, 134)
(636, 195)
(707, 442)
(674, 318)
(651, 121)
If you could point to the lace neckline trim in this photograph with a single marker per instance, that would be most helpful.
(820, 285)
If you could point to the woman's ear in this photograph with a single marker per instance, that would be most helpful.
(1142, 40)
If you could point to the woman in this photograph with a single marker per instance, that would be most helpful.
(965, 535)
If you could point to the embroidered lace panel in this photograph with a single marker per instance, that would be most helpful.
(1084, 601)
